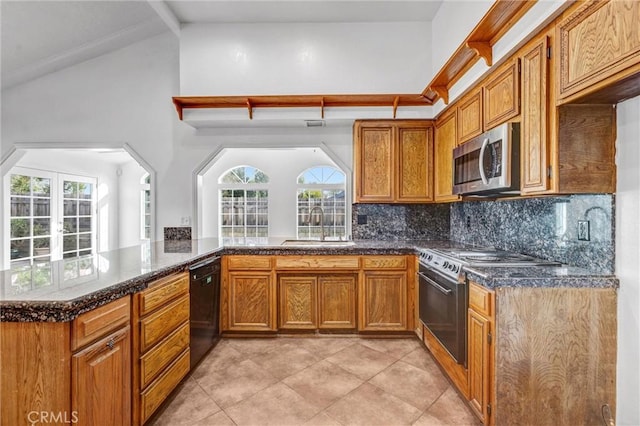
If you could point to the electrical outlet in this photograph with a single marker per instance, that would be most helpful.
(362, 219)
(583, 230)
(185, 221)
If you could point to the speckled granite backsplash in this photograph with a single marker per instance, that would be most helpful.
(175, 233)
(400, 221)
(544, 227)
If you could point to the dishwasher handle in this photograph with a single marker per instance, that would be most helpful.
(204, 263)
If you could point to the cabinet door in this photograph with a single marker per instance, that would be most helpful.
(470, 116)
(534, 150)
(374, 157)
(251, 301)
(445, 141)
(383, 301)
(337, 301)
(479, 364)
(599, 44)
(415, 164)
(101, 381)
(502, 96)
(297, 302)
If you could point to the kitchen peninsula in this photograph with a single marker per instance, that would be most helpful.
(106, 282)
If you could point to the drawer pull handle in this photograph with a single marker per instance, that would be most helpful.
(111, 343)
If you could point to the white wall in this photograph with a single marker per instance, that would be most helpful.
(121, 97)
(627, 265)
(309, 58)
(282, 166)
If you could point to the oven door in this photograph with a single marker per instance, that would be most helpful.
(443, 310)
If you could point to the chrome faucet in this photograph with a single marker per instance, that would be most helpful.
(321, 220)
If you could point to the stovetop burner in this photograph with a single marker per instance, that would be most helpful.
(450, 262)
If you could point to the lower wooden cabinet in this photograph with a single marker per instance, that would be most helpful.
(78, 372)
(161, 342)
(101, 385)
(480, 322)
(383, 301)
(250, 301)
(312, 301)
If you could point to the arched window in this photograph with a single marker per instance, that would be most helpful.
(321, 204)
(244, 204)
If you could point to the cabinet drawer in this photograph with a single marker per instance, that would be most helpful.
(162, 291)
(154, 361)
(384, 262)
(158, 391)
(159, 324)
(306, 262)
(99, 322)
(480, 299)
(249, 262)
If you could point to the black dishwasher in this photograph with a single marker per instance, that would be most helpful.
(205, 307)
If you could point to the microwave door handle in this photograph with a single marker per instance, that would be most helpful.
(483, 176)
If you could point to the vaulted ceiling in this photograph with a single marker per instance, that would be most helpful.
(39, 37)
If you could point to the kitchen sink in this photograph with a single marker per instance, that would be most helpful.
(326, 243)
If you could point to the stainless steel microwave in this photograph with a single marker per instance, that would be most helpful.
(489, 164)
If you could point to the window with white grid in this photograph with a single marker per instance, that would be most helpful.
(321, 207)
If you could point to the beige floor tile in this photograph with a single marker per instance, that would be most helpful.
(275, 405)
(411, 384)
(236, 382)
(221, 357)
(286, 360)
(449, 409)
(397, 348)
(369, 405)
(190, 405)
(218, 419)
(421, 358)
(322, 419)
(323, 383)
(362, 361)
(256, 346)
(325, 346)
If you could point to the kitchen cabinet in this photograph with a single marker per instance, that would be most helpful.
(534, 149)
(480, 321)
(446, 140)
(501, 95)
(248, 294)
(383, 294)
(469, 112)
(161, 342)
(599, 46)
(541, 355)
(493, 102)
(393, 161)
(78, 371)
(317, 301)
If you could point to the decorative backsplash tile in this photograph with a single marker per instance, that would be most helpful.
(400, 221)
(577, 229)
(177, 233)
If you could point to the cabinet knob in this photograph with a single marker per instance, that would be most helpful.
(111, 343)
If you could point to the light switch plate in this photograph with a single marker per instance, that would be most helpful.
(583, 230)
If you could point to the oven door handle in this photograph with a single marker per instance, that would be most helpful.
(434, 284)
(483, 175)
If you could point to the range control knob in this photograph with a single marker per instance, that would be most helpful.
(445, 265)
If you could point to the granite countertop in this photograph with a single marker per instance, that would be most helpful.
(61, 290)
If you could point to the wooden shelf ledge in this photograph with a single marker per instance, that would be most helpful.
(479, 44)
(299, 101)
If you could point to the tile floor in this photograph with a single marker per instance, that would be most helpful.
(316, 381)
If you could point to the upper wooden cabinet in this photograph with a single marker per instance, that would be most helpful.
(445, 141)
(534, 150)
(470, 115)
(493, 102)
(502, 95)
(393, 161)
(599, 46)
